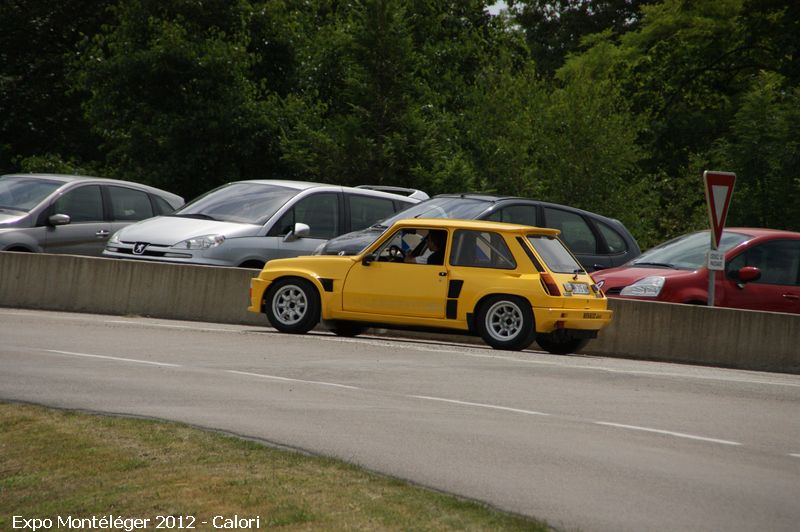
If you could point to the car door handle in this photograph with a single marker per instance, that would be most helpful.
(102, 233)
(791, 296)
(442, 274)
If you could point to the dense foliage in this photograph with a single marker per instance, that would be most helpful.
(616, 106)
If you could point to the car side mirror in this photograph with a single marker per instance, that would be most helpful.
(58, 219)
(748, 274)
(369, 259)
(300, 230)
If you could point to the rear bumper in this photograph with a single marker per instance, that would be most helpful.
(551, 319)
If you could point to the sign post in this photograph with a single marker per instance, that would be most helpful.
(719, 189)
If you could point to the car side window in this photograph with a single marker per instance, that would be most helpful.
(575, 232)
(366, 210)
(481, 249)
(779, 262)
(614, 241)
(516, 214)
(319, 211)
(129, 204)
(162, 207)
(82, 204)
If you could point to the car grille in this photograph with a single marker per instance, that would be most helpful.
(147, 252)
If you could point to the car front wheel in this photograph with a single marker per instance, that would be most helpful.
(506, 322)
(293, 305)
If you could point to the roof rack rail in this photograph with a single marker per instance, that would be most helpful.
(403, 191)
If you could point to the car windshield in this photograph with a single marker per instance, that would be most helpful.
(687, 252)
(554, 254)
(24, 193)
(249, 203)
(446, 207)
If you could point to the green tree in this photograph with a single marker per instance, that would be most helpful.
(40, 113)
(382, 90)
(172, 95)
(764, 151)
(555, 29)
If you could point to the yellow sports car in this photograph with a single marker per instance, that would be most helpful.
(509, 284)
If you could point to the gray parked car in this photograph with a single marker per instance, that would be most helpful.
(247, 223)
(50, 213)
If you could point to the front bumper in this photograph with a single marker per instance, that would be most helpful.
(154, 254)
(258, 288)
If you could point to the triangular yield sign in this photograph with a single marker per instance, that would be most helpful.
(719, 189)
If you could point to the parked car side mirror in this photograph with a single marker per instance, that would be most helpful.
(369, 259)
(58, 219)
(300, 230)
(744, 275)
(748, 274)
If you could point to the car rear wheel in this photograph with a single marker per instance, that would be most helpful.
(293, 305)
(559, 345)
(506, 322)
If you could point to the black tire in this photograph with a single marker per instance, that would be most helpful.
(557, 345)
(346, 328)
(506, 322)
(292, 305)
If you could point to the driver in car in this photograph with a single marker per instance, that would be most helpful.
(435, 243)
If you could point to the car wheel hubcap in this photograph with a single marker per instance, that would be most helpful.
(504, 321)
(289, 304)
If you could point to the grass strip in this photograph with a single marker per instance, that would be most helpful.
(57, 463)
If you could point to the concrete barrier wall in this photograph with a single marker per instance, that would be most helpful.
(743, 339)
(643, 330)
(122, 287)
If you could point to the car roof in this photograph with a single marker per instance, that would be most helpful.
(305, 185)
(496, 198)
(761, 232)
(64, 178)
(475, 225)
(68, 178)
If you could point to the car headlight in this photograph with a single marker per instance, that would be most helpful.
(201, 242)
(646, 287)
(114, 238)
(318, 249)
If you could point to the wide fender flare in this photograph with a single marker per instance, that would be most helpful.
(472, 313)
(306, 275)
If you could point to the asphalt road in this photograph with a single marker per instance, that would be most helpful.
(583, 442)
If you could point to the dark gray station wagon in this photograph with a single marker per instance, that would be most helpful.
(597, 242)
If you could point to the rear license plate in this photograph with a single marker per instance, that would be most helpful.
(580, 289)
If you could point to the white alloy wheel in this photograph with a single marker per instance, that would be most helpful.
(504, 320)
(289, 304)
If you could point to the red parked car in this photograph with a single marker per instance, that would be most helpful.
(762, 271)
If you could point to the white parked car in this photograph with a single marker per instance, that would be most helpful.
(247, 223)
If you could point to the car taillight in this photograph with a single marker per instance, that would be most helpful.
(549, 285)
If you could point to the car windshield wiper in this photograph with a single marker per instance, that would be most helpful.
(659, 264)
(198, 215)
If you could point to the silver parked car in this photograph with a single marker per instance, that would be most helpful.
(50, 213)
(247, 223)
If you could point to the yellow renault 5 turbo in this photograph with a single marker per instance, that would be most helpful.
(509, 284)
